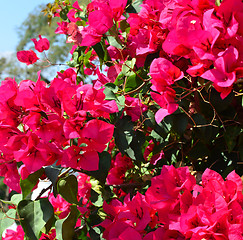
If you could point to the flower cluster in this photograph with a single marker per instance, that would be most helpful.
(39, 121)
(203, 38)
(175, 207)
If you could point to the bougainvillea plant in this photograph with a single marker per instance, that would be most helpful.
(140, 137)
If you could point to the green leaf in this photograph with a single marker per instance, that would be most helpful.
(63, 13)
(113, 38)
(113, 41)
(95, 233)
(219, 103)
(52, 173)
(124, 25)
(110, 90)
(199, 151)
(120, 79)
(217, 2)
(137, 146)
(120, 102)
(230, 136)
(102, 53)
(134, 7)
(178, 122)
(28, 184)
(99, 50)
(104, 166)
(6, 220)
(67, 187)
(123, 133)
(127, 140)
(34, 216)
(86, 59)
(160, 131)
(128, 66)
(96, 199)
(15, 199)
(65, 227)
(133, 82)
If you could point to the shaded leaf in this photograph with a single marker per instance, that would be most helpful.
(65, 227)
(178, 122)
(110, 90)
(123, 133)
(114, 41)
(137, 146)
(128, 66)
(67, 187)
(52, 173)
(219, 103)
(230, 136)
(133, 82)
(96, 199)
(104, 166)
(28, 184)
(134, 7)
(34, 216)
(199, 151)
(15, 199)
(6, 220)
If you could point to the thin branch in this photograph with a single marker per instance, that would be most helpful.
(188, 115)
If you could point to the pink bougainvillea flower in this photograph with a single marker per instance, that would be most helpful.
(101, 21)
(130, 233)
(42, 44)
(193, 221)
(18, 234)
(166, 101)
(76, 5)
(231, 12)
(71, 16)
(164, 73)
(78, 157)
(62, 28)
(236, 179)
(34, 153)
(150, 156)
(28, 57)
(134, 107)
(74, 33)
(223, 75)
(119, 166)
(165, 188)
(11, 176)
(90, 37)
(120, 230)
(97, 134)
(162, 233)
(84, 188)
(72, 12)
(138, 211)
(89, 161)
(117, 8)
(50, 236)
(61, 206)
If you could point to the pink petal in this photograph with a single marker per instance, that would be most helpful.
(89, 161)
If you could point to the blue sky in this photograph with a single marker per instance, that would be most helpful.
(12, 14)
